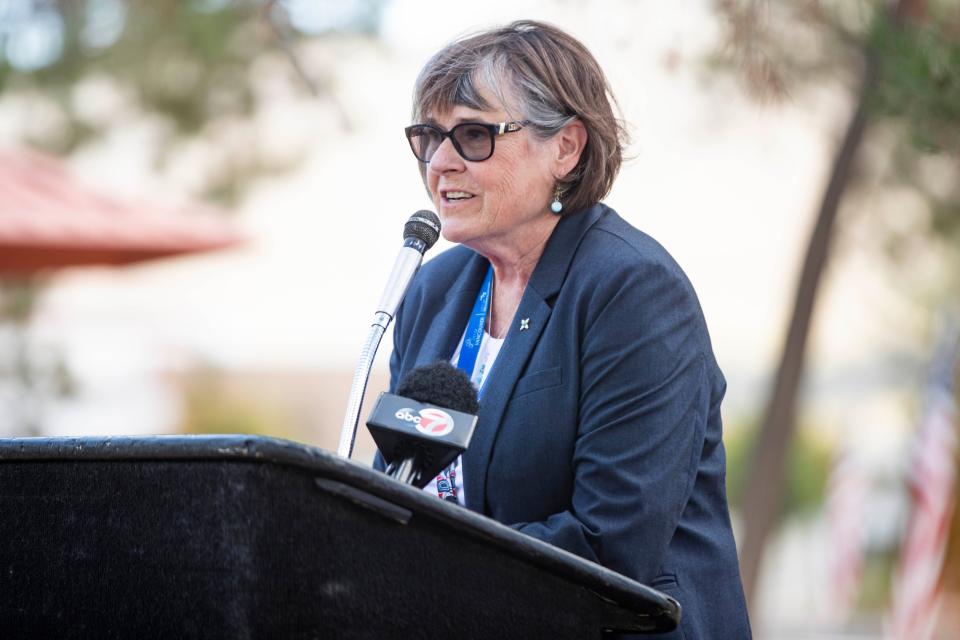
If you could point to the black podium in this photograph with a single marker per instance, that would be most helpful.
(250, 537)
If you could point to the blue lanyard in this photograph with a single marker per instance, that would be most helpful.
(474, 333)
(469, 350)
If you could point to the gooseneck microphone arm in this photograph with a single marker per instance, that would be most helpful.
(419, 234)
(403, 470)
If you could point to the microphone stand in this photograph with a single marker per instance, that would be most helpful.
(403, 470)
(419, 234)
(348, 432)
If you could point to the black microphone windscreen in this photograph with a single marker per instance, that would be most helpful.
(424, 225)
(440, 384)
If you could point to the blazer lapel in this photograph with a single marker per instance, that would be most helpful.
(516, 350)
(528, 324)
(451, 318)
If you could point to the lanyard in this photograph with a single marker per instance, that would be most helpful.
(469, 350)
(474, 333)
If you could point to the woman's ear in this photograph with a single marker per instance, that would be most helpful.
(570, 143)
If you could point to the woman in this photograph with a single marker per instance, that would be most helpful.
(599, 429)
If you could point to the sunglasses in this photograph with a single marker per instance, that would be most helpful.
(474, 141)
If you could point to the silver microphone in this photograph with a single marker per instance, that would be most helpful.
(419, 234)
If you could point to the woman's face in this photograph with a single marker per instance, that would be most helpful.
(498, 200)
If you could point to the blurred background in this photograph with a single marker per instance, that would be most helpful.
(200, 202)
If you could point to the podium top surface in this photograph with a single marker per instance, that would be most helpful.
(363, 486)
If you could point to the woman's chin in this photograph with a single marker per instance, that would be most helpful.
(454, 228)
(451, 233)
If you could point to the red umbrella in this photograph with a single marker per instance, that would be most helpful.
(48, 219)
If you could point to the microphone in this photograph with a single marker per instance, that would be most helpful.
(422, 428)
(419, 234)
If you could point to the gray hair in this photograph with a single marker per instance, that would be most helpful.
(542, 75)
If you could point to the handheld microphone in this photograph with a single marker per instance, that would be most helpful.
(422, 428)
(419, 234)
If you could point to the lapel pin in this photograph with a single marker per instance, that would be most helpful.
(524, 324)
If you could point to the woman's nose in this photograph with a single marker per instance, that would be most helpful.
(446, 158)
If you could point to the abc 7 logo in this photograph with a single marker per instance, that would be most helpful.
(428, 421)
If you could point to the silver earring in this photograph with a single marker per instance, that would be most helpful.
(556, 206)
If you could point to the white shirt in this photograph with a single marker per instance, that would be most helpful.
(489, 350)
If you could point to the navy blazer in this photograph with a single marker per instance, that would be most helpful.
(599, 428)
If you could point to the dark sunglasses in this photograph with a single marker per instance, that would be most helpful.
(472, 140)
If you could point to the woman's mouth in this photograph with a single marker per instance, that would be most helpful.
(455, 196)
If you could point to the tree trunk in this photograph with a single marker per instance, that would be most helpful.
(763, 496)
(765, 484)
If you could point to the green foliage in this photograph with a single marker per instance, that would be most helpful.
(808, 468)
(182, 63)
(184, 66)
(917, 91)
(919, 79)
(780, 47)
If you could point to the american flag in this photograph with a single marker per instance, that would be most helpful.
(847, 493)
(917, 582)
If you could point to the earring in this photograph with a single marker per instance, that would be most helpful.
(556, 206)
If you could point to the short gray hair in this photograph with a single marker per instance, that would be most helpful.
(554, 78)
